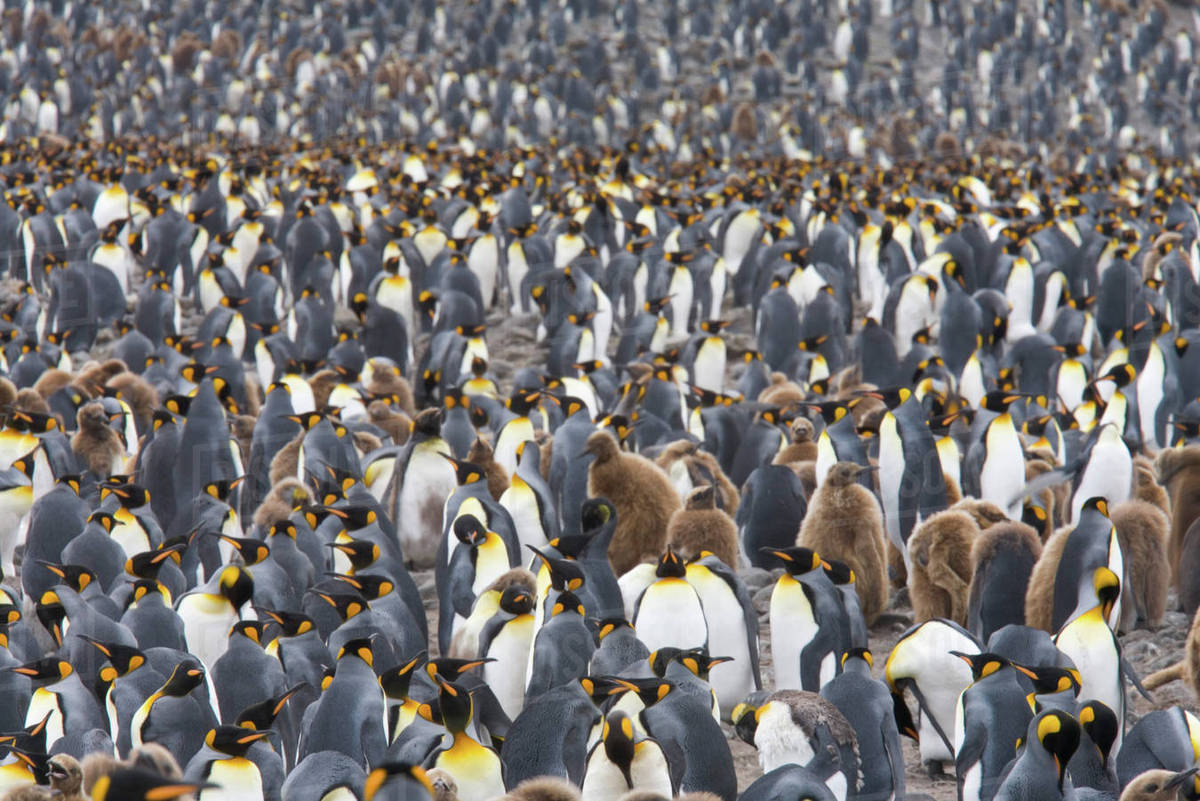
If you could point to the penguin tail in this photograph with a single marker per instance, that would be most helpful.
(1160, 678)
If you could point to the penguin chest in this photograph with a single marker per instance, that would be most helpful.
(1003, 471)
(680, 289)
(708, 371)
(506, 676)
(42, 703)
(491, 562)
(515, 432)
(1090, 644)
(475, 769)
(207, 619)
(522, 504)
(727, 636)
(793, 627)
(669, 615)
(239, 780)
(395, 293)
(779, 740)
(1072, 380)
(129, 533)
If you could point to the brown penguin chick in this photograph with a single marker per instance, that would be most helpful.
(1179, 471)
(444, 786)
(643, 795)
(701, 526)
(93, 376)
(1187, 571)
(96, 444)
(52, 381)
(644, 498)
(1146, 487)
(139, 394)
(322, 384)
(385, 379)
(365, 442)
(744, 124)
(285, 463)
(242, 429)
(543, 788)
(95, 765)
(703, 467)
(807, 473)
(1045, 497)
(1187, 669)
(802, 447)
(66, 777)
(897, 570)
(284, 498)
(8, 392)
(545, 443)
(28, 400)
(1020, 547)
(396, 425)
(481, 454)
(953, 492)
(940, 576)
(985, 513)
(844, 522)
(1157, 785)
(1039, 596)
(1142, 531)
(782, 392)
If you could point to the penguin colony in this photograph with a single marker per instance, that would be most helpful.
(407, 404)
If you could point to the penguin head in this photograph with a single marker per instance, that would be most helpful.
(402, 777)
(147, 563)
(456, 706)
(354, 518)
(66, 777)
(77, 577)
(369, 586)
(293, 624)
(670, 565)
(567, 601)
(348, 603)
(1050, 679)
(45, 671)
(702, 498)
(523, 401)
(860, 655)
(892, 397)
(617, 735)
(843, 474)
(137, 784)
(596, 513)
(999, 401)
(187, 676)
(427, 424)
(1101, 726)
(122, 659)
(236, 584)
(1058, 733)
(565, 575)
(797, 560)
(233, 740)
(361, 553)
(252, 551)
(1121, 374)
(250, 629)
(516, 601)
(986, 664)
(464, 472)
(360, 647)
(51, 614)
(1108, 589)
(745, 720)
(1164, 785)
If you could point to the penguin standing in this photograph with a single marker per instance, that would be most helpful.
(622, 761)
(808, 623)
(868, 706)
(669, 611)
(1040, 770)
(732, 629)
(232, 775)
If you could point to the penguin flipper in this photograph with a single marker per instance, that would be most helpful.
(1132, 676)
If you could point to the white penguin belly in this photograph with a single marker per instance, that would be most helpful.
(43, 702)
(521, 504)
(665, 616)
(793, 626)
(506, 676)
(238, 779)
(731, 681)
(206, 623)
(777, 742)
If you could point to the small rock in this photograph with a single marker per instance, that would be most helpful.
(762, 599)
(755, 578)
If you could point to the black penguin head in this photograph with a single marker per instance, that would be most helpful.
(233, 740)
(347, 602)
(839, 572)
(1101, 726)
(797, 560)
(892, 397)
(137, 784)
(986, 664)
(47, 670)
(252, 551)
(567, 602)
(395, 681)
(597, 513)
(77, 577)
(523, 401)
(401, 775)
(456, 706)
(618, 737)
(354, 518)
(361, 553)
(360, 648)
(670, 565)
(427, 423)
(250, 629)
(465, 472)
(236, 584)
(104, 520)
(293, 624)
(371, 587)
(51, 614)
(470, 531)
(745, 721)
(187, 676)
(1050, 679)
(904, 719)
(147, 563)
(451, 669)
(1108, 589)
(261, 715)
(565, 575)
(860, 654)
(1058, 733)
(516, 601)
(123, 659)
